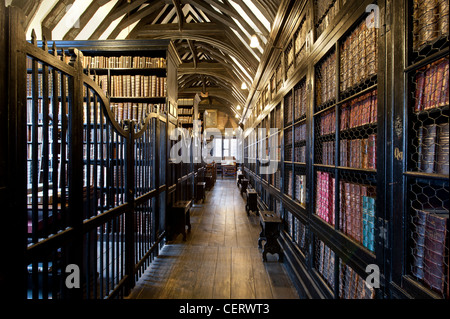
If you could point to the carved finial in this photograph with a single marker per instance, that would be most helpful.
(55, 53)
(33, 37)
(63, 55)
(44, 43)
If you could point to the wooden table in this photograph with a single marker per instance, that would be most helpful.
(270, 231)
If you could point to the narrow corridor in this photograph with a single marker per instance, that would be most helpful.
(220, 258)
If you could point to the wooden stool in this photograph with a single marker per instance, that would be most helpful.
(244, 184)
(179, 217)
(270, 231)
(200, 191)
(252, 201)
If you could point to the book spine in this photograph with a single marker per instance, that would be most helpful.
(442, 149)
(428, 148)
(434, 259)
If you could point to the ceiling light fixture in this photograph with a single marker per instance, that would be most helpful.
(238, 107)
(244, 86)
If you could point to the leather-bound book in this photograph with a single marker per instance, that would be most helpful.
(442, 149)
(420, 83)
(444, 97)
(427, 23)
(418, 238)
(436, 251)
(428, 148)
(443, 9)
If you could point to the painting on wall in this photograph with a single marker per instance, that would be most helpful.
(211, 118)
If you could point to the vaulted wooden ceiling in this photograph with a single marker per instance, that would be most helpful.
(211, 36)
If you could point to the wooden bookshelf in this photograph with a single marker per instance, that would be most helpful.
(327, 122)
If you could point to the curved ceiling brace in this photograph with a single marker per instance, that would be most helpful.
(85, 17)
(186, 84)
(135, 17)
(52, 19)
(119, 10)
(209, 32)
(180, 14)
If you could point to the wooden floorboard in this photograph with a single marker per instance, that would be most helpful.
(219, 259)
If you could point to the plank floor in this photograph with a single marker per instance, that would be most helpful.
(220, 258)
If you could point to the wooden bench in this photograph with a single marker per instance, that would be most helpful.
(270, 231)
(179, 217)
(200, 191)
(252, 201)
(240, 176)
(209, 182)
(244, 184)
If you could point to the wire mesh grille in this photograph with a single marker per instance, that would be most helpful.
(325, 129)
(324, 261)
(324, 196)
(288, 108)
(352, 285)
(300, 100)
(357, 198)
(358, 59)
(300, 41)
(288, 180)
(300, 143)
(325, 79)
(300, 184)
(429, 117)
(429, 235)
(289, 59)
(429, 25)
(358, 132)
(325, 11)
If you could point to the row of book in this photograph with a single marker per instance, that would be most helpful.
(185, 119)
(430, 248)
(359, 56)
(288, 186)
(187, 111)
(324, 262)
(432, 86)
(327, 123)
(133, 111)
(433, 148)
(288, 136)
(300, 154)
(138, 86)
(359, 111)
(357, 212)
(324, 206)
(40, 84)
(326, 80)
(328, 152)
(325, 13)
(300, 133)
(296, 229)
(430, 21)
(300, 189)
(359, 153)
(300, 100)
(300, 40)
(289, 57)
(288, 105)
(352, 285)
(111, 62)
